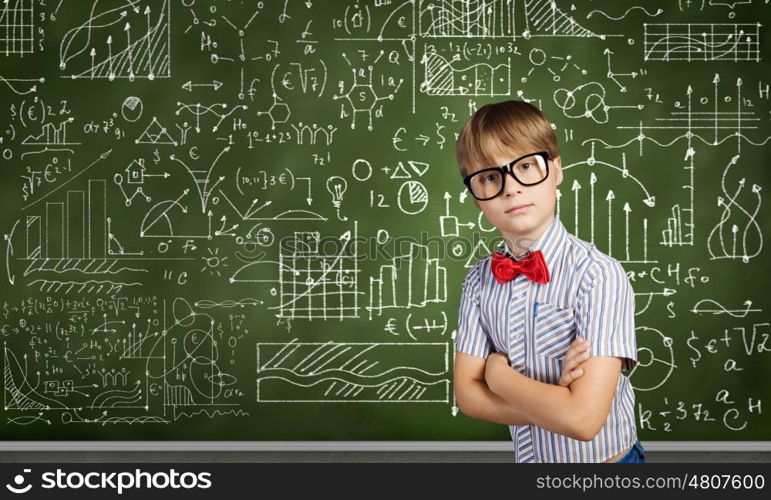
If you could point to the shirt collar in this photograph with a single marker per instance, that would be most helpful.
(550, 243)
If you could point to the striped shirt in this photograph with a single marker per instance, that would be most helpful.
(589, 295)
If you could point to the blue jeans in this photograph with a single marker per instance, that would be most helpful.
(635, 456)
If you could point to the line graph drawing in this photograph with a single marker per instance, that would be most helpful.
(125, 41)
(12, 83)
(702, 42)
(626, 13)
(51, 135)
(705, 306)
(352, 372)
(497, 19)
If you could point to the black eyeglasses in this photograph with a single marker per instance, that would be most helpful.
(528, 170)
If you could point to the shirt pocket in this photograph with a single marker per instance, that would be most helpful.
(555, 329)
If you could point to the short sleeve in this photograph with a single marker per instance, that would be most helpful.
(605, 313)
(471, 337)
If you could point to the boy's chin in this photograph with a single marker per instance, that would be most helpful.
(521, 225)
(518, 228)
(520, 222)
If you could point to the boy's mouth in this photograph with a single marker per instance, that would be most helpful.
(518, 208)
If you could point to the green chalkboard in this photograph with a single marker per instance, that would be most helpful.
(244, 221)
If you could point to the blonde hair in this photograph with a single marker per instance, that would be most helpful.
(509, 124)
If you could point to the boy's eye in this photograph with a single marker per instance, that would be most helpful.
(525, 166)
(492, 177)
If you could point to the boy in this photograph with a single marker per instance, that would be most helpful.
(522, 306)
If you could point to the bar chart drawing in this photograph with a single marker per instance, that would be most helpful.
(75, 221)
(410, 280)
(73, 229)
(54, 244)
(17, 27)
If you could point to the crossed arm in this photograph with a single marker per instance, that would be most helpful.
(490, 389)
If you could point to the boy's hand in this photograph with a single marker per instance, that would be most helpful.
(577, 354)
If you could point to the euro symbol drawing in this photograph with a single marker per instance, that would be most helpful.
(391, 326)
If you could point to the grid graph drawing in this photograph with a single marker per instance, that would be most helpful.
(313, 285)
(702, 42)
(17, 27)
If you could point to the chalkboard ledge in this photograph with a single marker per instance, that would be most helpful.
(352, 446)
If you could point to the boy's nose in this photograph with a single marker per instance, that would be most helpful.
(511, 186)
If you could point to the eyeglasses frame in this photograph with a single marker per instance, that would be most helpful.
(508, 169)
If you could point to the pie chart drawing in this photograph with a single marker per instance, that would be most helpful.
(132, 108)
(413, 197)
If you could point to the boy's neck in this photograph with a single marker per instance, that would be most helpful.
(519, 244)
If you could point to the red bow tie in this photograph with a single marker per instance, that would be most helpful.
(532, 265)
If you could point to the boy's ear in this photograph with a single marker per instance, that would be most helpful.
(558, 169)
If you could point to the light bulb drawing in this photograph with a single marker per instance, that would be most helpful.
(336, 186)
